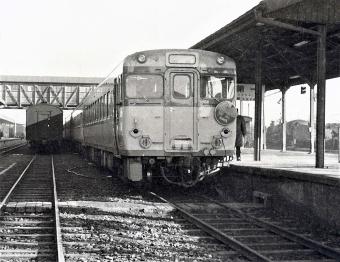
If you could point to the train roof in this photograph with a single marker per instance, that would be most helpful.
(160, 61)
(43, 105)
(161, 57)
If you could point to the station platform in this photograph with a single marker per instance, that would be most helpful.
(292, 164)
(10, 142)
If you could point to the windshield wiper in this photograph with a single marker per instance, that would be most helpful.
(211, 96)
(147, 100)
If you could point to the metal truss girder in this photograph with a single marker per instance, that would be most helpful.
(19, 95)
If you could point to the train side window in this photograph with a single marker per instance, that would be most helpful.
(113, 97)
(84, 116)
(92, 112)
(107, 104)
(101, 104)
(104, 106)
(95, 111)
(119, 94)
(182, 87)
(90, 115)
(89, 119)
(98, 109)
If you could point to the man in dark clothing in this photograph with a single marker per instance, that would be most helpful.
(240, 133)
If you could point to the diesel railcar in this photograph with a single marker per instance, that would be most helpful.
(44, 126)
(161, 113)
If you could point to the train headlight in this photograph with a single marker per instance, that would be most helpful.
(225, 132)
(145, 142)
(220, 60)
(225, 113)
(217, 142)
(135, 132)
(141, 58)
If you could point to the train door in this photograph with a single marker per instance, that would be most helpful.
(118, 121)
(43, 121)
(181, 125)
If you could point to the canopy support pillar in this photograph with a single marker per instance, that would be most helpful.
(321, 85)
(258, 102)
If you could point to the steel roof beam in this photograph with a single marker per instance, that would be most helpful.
(271, 21)
(297, 70)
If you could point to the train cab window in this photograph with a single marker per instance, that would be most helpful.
(213, 87)
(182, 87)
(144, 86)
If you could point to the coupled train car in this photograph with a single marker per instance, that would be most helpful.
(161, 113)
(44, 127)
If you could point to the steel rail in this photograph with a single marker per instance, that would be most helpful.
(314, 245)
(10, 148)
(233, 243)
(60, 251)
(5, 201)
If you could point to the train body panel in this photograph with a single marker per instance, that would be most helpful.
(102, 129)
(209, 129)
(44, 125)
(138, 122)
(169, 112)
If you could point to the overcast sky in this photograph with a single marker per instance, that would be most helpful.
(89, 38)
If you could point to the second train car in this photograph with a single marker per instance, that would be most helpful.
(161, 113)
(44, 127)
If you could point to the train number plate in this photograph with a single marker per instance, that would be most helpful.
(184, 144)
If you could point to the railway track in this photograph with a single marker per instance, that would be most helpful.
(11, 148)
(239, 233)
(29, 217)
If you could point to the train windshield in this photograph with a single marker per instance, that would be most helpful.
(144, 86)
(215, 87)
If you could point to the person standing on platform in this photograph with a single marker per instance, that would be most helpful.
(240, 133)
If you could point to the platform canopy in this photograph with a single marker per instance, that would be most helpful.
(288, 31)
(23, 91)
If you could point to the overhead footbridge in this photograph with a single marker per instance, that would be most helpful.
(66, 92)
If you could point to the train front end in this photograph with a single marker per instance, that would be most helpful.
(177, 117)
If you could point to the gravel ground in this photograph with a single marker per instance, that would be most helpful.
(105, 219)
(108, 220)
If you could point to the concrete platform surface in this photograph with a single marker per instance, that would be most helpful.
(293, 164)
